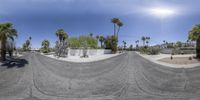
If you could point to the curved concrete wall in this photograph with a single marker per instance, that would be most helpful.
(90, 52)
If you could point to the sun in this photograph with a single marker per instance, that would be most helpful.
(162, 12)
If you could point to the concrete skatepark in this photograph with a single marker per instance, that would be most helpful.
(124, 77)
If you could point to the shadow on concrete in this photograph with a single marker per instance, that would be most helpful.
(10, 63)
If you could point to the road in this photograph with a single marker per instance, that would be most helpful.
(125, 77)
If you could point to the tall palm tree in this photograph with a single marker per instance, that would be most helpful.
(6, 31)
(101, 39)
(119, 24)
(61, 34)
(143, 39)
(194, 35)
(114, 21)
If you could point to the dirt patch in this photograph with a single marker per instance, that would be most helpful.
(180, 60)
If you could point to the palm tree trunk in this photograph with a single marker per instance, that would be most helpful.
(143, 43)
(3, 49)
(198, 48)
(118, 32)
(101, 44)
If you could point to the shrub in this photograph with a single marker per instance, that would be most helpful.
(190, 58)
(111, 43)
(149, 50)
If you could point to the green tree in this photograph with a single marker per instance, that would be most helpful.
(194, 35)
(62, 35)
(74, 43)
(45, 46)
(119, 24)
(91, 41)
(143, 39)
(101, 40)
(91, 34)
(124, 44)
(6, 31)
(114, 21)
(97, 37)
(131, 47)
(111, 43)
(179, 44)
(147, 40)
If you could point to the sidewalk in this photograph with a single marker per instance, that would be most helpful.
(155, 58)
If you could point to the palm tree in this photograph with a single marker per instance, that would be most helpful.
(60, 33)
(143, 39)
(28, 44)
(124, 43)
(194, 35)
(45, 45)
(147, 40)
(97, 37)
(164, 41)
(91, 34)
(101, 39)
(137, 43)
(6, 31)
(30, 38)
(114, 21)
(119, 24)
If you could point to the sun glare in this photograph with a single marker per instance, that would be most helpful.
(162, 12)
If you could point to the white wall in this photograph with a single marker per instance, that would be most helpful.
(90, 52)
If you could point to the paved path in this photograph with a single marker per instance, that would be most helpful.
(125, 77)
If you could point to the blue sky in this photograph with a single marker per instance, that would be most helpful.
(41, 18)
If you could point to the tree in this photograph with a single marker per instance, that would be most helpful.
(143, 39)
(137, 43)
(62, 45)
(194, 35)
(61, 34)
(111, 43)
(131, 47)
(10, 46)
(101, 39)
(45, 46)
(179, 44)
(28, 44)
(74, 43)
(6, 31)
(124, 43)
(91, 34)
(91, 41)
(114, 21)
(97, 37)
(147, 40)
(164, 41)
(119, 24)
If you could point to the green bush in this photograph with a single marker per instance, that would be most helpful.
(149, 50)
(111, 43)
